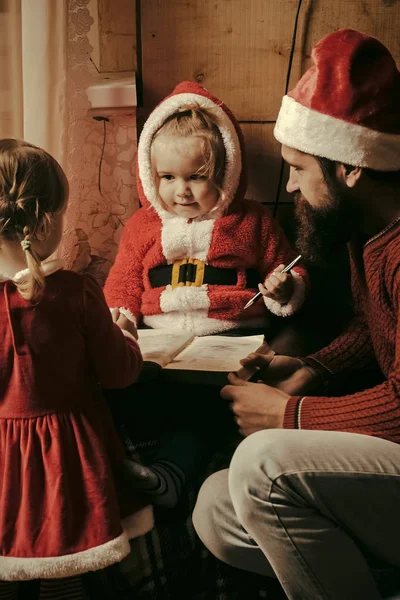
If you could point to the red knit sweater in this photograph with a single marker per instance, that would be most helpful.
(374, 334)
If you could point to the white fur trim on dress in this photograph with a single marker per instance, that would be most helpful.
(180, 239)
(139, 523)
(295, 302)
(199, 322)
(314, 133)
(54, 567)
(156, 120)
(48, 268)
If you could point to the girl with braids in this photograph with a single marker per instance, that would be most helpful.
(60, 512)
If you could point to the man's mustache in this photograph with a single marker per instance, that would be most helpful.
(298, 197)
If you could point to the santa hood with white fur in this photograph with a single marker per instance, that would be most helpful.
(189, 93)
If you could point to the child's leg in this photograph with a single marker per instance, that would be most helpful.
(190, 422)
(162, 480)
(141, 414)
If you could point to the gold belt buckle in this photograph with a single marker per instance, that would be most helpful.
(200, 267)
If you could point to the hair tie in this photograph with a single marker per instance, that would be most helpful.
(25, 245)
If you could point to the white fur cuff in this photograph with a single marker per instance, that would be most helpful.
(295, 302)
(127, 313)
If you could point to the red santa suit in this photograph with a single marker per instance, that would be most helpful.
(198, 274)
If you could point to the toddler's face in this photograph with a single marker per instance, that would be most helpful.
(182, 190)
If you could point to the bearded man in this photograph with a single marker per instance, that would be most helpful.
(312, 495)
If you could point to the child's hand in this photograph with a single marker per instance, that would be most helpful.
(124, 323)
(278, 286)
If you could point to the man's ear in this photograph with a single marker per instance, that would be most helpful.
(348, 175)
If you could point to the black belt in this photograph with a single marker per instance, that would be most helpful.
(193, 272)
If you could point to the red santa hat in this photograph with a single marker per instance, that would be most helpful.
(346, 107)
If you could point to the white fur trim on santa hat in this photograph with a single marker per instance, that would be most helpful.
(156, 120)
(321, 135)
(53, 567)
(295, 302)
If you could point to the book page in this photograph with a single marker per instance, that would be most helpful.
(162, 345)
(215, 353)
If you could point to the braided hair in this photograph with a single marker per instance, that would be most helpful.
(33, 190)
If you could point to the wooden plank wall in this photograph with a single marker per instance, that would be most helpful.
(238, 49)
(113, 35)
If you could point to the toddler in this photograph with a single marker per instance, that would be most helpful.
(191, 258)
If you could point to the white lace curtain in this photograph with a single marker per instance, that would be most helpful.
(44, 51)
(43, 58)
(35, 63)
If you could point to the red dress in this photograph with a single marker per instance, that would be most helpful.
(59, 510)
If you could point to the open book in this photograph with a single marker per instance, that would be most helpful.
(189, 359)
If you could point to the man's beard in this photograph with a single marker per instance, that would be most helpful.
(322, 231)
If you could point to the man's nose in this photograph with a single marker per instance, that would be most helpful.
(292, 184)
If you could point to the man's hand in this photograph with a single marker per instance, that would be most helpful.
(291, 375)
(256, 406)
(124, 323)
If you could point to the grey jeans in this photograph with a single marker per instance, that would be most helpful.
(306, 507)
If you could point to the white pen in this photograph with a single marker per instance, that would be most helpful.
(285, 270)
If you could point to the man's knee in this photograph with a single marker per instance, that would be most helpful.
(269, 452)
(258, 461)
(218, 527)
(212, 510)
(228, 495)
